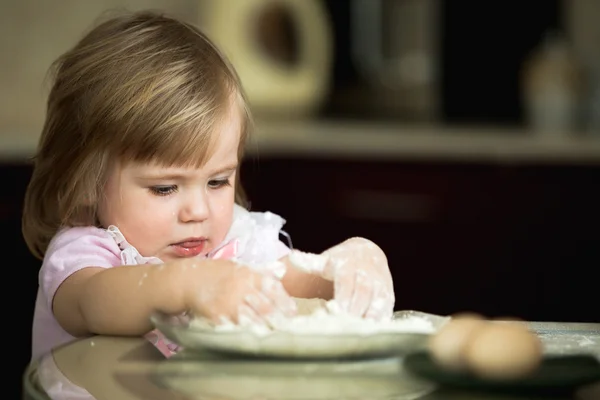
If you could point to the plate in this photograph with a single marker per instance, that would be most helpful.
(198, 375)
(557, 375)
(280, 344)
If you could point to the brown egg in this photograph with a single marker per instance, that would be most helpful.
(467, 315)
(447, 346)
(503, 351)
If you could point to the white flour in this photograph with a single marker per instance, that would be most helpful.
(327, 321)
(308, 262)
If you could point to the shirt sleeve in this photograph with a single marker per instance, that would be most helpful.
(72, 250)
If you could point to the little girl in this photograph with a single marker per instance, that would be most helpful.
(135, 204)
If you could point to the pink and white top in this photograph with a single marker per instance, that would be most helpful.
(253, 239)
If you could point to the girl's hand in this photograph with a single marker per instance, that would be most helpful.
(232, 292)
(362, 280)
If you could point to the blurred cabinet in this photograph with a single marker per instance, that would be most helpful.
(501, 240)
(22, 270)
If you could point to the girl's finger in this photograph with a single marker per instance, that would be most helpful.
(259, 303)
(382, 305)
(343, 287)
(247, 316)
(362, 294)
(280, 300)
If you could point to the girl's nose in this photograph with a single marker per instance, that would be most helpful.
(195, 208)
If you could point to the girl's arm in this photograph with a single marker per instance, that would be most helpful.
(120, 300)
(356, 270)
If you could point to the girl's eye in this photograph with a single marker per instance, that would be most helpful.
(163, 190)
(218, 183)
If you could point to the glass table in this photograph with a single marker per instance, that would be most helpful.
(115, 368)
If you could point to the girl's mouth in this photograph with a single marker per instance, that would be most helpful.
(189, 247)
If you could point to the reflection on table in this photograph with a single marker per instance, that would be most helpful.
(102, 368)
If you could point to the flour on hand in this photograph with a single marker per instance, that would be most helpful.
(308, 262)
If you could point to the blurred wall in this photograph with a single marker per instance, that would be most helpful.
(34, 33)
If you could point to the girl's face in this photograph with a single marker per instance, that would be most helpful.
(174, 212)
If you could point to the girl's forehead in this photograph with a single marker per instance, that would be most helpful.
(221, 155)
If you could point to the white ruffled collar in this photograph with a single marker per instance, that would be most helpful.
(244, 229)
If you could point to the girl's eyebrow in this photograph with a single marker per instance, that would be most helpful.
(176, 175)
(228, 168)
(161, 176)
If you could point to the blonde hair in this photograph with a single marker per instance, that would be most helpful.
(138, 87)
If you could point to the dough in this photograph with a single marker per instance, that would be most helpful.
(309, 306)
